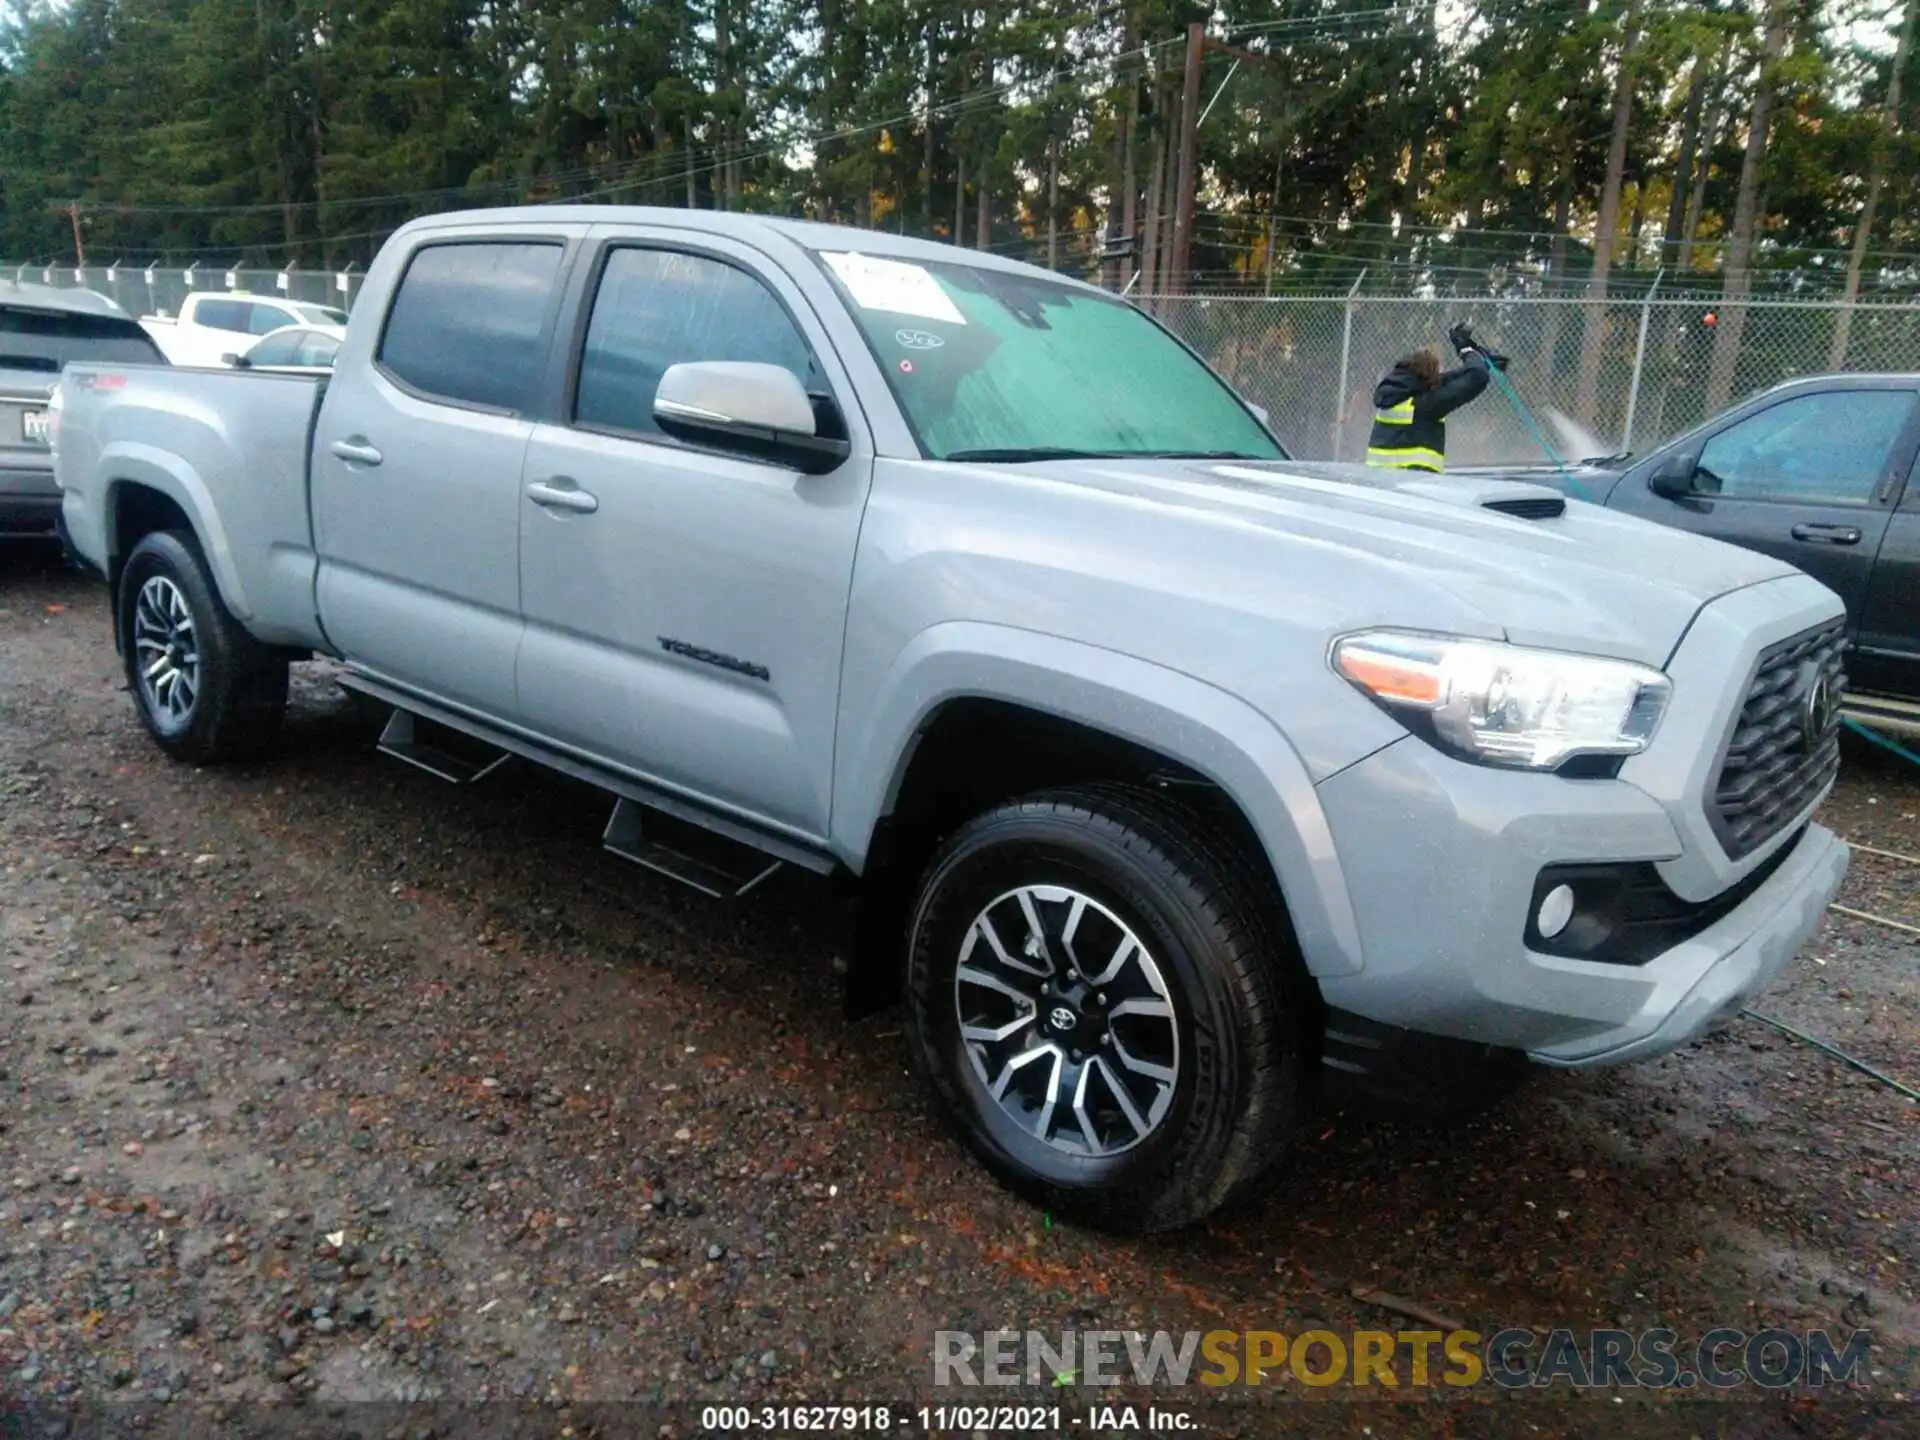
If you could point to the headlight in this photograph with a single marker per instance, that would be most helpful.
(1507, 705)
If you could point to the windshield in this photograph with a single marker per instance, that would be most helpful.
(321, 315)
(992, 365)
(49, 340)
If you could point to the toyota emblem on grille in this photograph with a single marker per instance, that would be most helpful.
(1818, 716)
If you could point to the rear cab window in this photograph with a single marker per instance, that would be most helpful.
(467, 323)
(233, 315)
(50, 340)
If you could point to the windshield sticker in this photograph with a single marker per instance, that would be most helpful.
(918, 340)
(894, 286)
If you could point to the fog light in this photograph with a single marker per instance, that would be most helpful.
(1555, 911)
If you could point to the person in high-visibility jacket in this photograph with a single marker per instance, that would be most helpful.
(1412, 401)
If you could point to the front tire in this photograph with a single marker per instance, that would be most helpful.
(1107, 1005)
(205, 689)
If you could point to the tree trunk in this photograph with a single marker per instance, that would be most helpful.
(693, 188)
(959, 193)
(1710, 134)
(1273, 209)
(1150, 234)
(927, 150)
(1594, 342)
(1170, 203)
(1746, 213)
(1683, 162)
(1130, 181)
(1556, 270)
(1876, 178)
(983, 209)
(723, 96)
(1053, 204)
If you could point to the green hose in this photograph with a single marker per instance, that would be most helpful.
(1526, 418)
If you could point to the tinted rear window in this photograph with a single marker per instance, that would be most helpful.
(47, 340)
(467, 319)
(234, 315)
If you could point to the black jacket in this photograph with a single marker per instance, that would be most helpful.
(1410, 423)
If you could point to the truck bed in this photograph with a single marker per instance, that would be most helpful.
(229, 447)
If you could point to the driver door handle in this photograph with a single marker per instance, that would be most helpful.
(1827, 534)
(356, 451)
(560, 493)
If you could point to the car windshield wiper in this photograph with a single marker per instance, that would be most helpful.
(1198, 455)
(1601, 462)
(1052, 452)
(1016, 455)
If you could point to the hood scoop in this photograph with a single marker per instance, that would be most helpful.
(1529, 507)
(1518, 498)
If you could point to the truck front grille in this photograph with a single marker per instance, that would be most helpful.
(1785, 746)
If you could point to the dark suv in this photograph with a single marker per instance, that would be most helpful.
(41, 330)
(1822, 472)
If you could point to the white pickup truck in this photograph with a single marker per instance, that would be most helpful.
(215, 325)
(1175, 772)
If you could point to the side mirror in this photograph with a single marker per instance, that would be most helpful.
(746, 407)
(1672, 478)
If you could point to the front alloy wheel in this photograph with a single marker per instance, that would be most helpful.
(1106, 1002)
(1070, 1026)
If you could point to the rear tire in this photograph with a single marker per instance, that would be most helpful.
(1105, 1002)
(205, 689)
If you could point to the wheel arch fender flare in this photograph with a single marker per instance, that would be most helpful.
(135, 465)
(1189, 721)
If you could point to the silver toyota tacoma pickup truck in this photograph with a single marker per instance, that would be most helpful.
(1178, 776)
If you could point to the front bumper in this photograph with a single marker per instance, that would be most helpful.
(1441, 859)
(1442, 900)
(1705, 980)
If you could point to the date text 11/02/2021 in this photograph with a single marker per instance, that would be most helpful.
(946, 1419)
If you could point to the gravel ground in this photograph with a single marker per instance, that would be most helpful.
(325, 1086)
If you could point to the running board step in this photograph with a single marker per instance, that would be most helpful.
(697, 858)
(403, 741)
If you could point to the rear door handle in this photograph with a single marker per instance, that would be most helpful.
(356, 451)
(560, 493)
(1827, 534)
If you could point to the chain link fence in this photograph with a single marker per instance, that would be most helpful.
(1622, 374)
(1598, 376)
(143, 290)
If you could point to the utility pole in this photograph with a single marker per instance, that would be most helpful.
(1190, 115)
(1189, 136)
(72, 207)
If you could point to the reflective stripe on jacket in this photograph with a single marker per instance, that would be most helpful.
(1410, 423)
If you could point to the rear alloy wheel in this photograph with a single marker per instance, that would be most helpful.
(1107, 1006)
(205, 689)
(166, 652)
